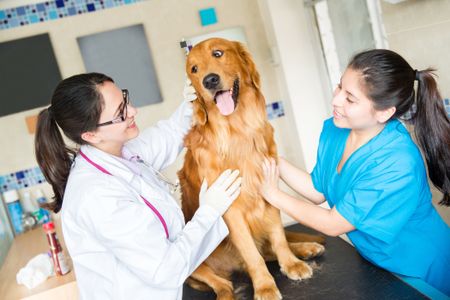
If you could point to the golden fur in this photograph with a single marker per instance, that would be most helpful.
(240, 140)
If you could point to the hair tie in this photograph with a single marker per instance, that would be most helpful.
(416, 75)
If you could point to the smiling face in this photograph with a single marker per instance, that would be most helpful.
(111, 138)
(351, 107)
(218, 68)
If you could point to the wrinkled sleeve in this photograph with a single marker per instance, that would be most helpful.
(160, 145)
(133, 233)
(317, 172)
(383, 198)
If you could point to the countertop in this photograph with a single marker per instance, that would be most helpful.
(23, 248)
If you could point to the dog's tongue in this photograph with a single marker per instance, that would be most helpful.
(225, 103)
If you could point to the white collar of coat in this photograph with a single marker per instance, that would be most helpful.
(107, 161)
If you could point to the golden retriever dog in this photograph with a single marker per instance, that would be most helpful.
(231, 131)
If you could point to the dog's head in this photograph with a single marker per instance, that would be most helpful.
(220, 71)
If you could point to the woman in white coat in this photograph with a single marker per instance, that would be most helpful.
(124, 230)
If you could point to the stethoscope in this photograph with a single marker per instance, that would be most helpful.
(157, 213)
(173, 186)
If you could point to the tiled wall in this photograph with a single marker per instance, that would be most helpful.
(21, 179)
(51, 10)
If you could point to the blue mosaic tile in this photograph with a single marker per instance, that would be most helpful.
(52, 10)
(21, 179)
(34, 19)
(274, 110)
(20, 11)
(53, 15)
(90, 7)
(40, 7)
(59, 3)
(108, 3)
(208, 16)
(20, 175)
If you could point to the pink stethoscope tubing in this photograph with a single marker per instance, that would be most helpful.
(160, 217)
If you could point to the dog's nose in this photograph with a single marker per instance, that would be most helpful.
(211, 81)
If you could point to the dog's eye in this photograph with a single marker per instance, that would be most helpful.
(194, 69)
(217, 53)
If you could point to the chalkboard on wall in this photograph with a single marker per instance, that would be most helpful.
(28, 74)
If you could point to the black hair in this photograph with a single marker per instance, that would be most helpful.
(388, 81)
(75, 108)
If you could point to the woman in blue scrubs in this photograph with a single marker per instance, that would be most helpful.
(371, 172)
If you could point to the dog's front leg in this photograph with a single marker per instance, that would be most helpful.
(241, 237)
(290, 265)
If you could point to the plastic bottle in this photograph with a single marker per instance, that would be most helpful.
(58, 257)
(32, 211)
(11, 198)
(28, 204)
(44, 215)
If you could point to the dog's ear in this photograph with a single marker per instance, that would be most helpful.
(200, 113)
(248, 62)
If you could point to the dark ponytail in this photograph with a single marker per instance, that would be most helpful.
(53, 156)
(75, 108)
(432, 129)
(389, 82)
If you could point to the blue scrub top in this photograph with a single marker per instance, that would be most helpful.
(383, 191)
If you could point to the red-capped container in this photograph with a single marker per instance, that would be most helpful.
(59, 260)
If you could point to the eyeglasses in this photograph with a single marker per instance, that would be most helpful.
(123, 110)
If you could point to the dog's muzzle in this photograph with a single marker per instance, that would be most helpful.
(226, 100)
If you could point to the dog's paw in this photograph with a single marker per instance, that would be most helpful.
(297, 270)
(307, 250)
(267, 293)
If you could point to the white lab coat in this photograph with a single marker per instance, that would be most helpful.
(117, 243)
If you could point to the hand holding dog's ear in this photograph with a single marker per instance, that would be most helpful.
(222, 193)
(189, 94)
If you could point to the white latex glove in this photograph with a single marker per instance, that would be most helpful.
(189, 94)
(221, 194)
